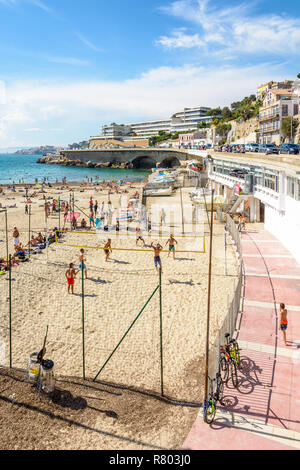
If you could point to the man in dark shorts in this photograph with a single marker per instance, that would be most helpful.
(139, 236)
(82, 264)
(107, 249)
(283, 321)
(157, 261)
(171, 242)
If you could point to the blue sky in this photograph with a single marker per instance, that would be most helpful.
(69, 66)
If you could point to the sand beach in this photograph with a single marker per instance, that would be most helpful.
(114, 293)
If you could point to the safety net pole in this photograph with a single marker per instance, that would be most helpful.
(10, 312)
(29, 229)
(161, 338)
(82, 311)
(6, 232)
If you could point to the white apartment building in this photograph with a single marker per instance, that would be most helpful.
(277, 105)
(182, 121)
(115, 130)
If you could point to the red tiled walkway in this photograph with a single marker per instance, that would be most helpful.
(263, 412)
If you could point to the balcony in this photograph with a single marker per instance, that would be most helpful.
(267, 117)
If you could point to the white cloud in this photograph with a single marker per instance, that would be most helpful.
(41, 5)
(234, 28)
(68, 61)
(78, 109)
(88, 43)
(180, 39)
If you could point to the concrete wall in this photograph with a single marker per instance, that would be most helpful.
(285, 225)
(94, 142)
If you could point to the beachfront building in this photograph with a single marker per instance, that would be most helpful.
(115, 130)
(264, 190)
(182, 121)
(262, 90)
(277, 105)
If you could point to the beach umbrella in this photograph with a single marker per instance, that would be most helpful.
(72, 215)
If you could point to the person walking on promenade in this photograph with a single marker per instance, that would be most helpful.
(243, 224)
(283, 321)
(240, 223)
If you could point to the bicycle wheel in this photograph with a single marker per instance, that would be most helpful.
(210, 411)
(237, 353)
(233, 371)
(224, 367)
(220, 390)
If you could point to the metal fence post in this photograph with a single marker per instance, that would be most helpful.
(161, 338)
(59, 213)
(10, 319)
(6, 231)
(82, 305)
(29, 229)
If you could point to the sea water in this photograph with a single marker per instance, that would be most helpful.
(24, 168)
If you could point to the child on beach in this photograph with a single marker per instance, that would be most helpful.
(70, 276)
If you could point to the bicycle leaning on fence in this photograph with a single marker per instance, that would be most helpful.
(230, 360)
(210, 403)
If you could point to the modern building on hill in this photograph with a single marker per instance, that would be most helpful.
(182, 121)
(116, 130)
(277, 105)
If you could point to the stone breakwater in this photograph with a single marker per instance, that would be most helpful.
(64, 161)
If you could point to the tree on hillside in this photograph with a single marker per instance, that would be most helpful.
(289, 127)
(203, 125)
(214, 112)
(226, 113)
(222, 128)
(298, 76)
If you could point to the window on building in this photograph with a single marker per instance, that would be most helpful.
(271, 181)
(285, 110)
(296, 109)
(291, 186)
(298, 191)
(259, 178)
